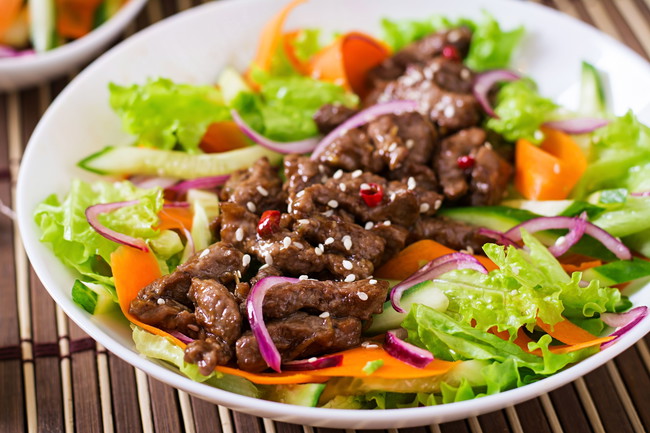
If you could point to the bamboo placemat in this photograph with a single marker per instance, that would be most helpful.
(54, 378)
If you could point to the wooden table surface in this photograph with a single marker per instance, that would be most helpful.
(54, 378)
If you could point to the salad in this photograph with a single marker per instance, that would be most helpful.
(363, 223)
(35, 26)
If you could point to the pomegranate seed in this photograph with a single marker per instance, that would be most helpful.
(450, 52)
(269, 222)
(372, 195)
(466, 161)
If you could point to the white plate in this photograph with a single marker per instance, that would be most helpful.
(193, 47)
(29, 70)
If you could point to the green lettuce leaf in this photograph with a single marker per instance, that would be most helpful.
(167, 115)
(307, 43)
(64, 226)
(521, 110)
(399, 33)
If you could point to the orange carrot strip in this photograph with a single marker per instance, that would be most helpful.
(408, 260)
(522, 341)
(583, 266)
(288, 40)
(550, 171)
(222, 137)
(9, 10)
(348, 60)
(566, 332)
(271, 37)
(75, 18)
(175, 218)
(571, 348)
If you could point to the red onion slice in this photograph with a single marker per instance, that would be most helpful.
(547, 223)
(618, 320)
(633, 318)
(641, 194)
(406, 352)
(564, 243)
(7, 52)
(92, 216)
(254, 304)
(577, 126)
(303, 146)
(363, 117)
(199, 183)
(182, 337)
(176, 204)
(499, 237)
(433, 269)
(484, 82)
(313, 363)
(147, 182)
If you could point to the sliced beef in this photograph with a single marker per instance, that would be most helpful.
(352, 151)
(329, 116)
(453, 234)
(259, 188)
(490, 178)
(360, 299)
(302, 172)
(454, 179)
(220, 261)
(442, 89)
(207, 354)
(300, 336)
(216, 310)
(420, 52)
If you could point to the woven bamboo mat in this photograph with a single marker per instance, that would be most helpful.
(54, 378)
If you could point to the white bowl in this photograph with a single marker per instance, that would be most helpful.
(18, 72)
(193, 47)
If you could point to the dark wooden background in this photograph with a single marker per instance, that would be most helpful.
(54, 378)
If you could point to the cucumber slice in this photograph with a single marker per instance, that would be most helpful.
(231, 84)
(42, 15)
(556, 207)
(299, 395)
(592, 92)
(94, 298)
(166, 244)
(156, 162)
(639, 242)
(618, 272)
(425, 293)
(106, 10)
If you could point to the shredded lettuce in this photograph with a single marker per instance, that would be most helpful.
(490, 48)
(521, 110)
(64, 226)
(307, 43)
(168, 115)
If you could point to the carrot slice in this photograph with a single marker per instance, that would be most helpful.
(582, 266)
(222, 137)
(550, 171)
(271, 37)
(410, 260)
(175, 218)
(566, 332)
(75, 18)
(9, 10)
(288, 46)
(348, 60)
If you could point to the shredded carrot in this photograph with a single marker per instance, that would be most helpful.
(348, 60)
(520, 340)
(288, 40)
(550, 171)
(582, 266)
(9, 10)
(271, 37)
(566, 332)
(222, 137)
(409, 260)
(75, 18)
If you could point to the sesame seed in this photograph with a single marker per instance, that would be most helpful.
(268, 258)
(363, 296)
(303, 277)
(465, 74)
(338, 174)
(437, 204)
(347, 242)
(318, 251)
(321, 168)
(333, 204)
(206, 251)
(411, 183)
(321, 247)
(264, 266)
(350, 278)
(329, 240)
(449, 111)
(364, 186)
(286, 241)
(303, 221)
(387, 222)
(392, 147)
(298, 245)
(239, 234)
(246, 260)
(357, 173)
(424, 207)
(160, 301)
(300, 193)
(371, 346)
(410, 143)
(342, 187)
(369, 225)
(251, 206)
(262, 190)
(372, 282)
(328, 213)
(347, 264)
(324, 315)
